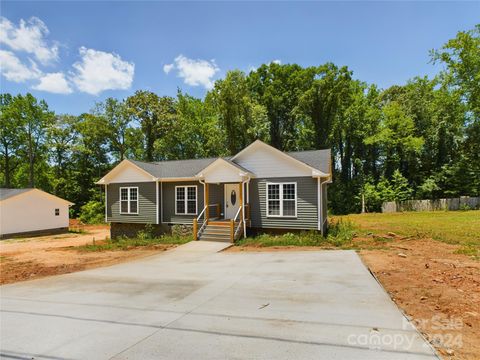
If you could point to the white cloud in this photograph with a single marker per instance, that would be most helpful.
(14, 70)
(277, 61)
(168, 67)
(194, 72)
(54, 83)
(28, 37)
(98, 71)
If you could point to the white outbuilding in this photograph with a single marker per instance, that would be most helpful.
(32, 212)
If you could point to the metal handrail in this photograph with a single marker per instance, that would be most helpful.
(238, 228)
(200, 215)
(238, 212)
(204, 225)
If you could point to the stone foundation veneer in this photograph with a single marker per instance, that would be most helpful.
(131, 230)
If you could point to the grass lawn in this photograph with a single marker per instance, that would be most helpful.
(460, 228)
(365, 231)
(452, 227)
(128, 243)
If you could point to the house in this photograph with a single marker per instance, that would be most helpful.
(260, 188)
(32, 212)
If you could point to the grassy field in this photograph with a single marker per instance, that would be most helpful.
(365, 231)
(452, 227)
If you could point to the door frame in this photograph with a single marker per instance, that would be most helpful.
(225, 197)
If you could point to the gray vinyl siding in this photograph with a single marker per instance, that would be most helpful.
(147, 211)
(168, 197)
(307, 198)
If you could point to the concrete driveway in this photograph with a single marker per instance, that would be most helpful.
(196, 303)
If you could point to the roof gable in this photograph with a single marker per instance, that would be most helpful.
(127, 171)
(223, 170)
(266, 161)
(11, 194)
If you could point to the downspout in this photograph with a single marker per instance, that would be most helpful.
(205, 200)
(321, 220)
(320, 206)
(243, 211)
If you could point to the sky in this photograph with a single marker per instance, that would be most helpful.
(74, 54)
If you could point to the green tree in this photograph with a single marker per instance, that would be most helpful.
(154, 114)
(461, 55)
(34, 118)
(241, 119)
(10, 141)
(396, 139)
(278, 88)
(119, 120)
(62, 137)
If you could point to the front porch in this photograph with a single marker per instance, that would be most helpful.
(228, 218)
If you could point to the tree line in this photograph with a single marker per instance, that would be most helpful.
(418, 140)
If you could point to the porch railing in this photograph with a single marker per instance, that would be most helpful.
(198, 231)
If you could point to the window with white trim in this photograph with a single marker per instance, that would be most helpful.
(186, 200)
(129, 200)
(282, 199)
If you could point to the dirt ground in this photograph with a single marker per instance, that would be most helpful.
(32, 258)
(436, 288)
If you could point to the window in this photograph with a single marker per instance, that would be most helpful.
(281, 199)
(186, 200)
(57, 212)
(129, 200)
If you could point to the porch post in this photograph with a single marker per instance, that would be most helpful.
(241, 200)
(207, 209)
(195, 229)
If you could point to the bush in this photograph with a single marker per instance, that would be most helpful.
(92, 212)
(147, 233)
(341, 233)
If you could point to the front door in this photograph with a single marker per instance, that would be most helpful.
(232, 200)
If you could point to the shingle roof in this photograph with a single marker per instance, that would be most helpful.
(175, 168)
(8, 193)
(318, 159)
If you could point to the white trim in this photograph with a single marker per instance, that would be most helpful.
(242, 172)
(281, 199)
(128, 200)
(186, 199)
(171, 179)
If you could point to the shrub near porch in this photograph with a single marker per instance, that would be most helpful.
(340, 234)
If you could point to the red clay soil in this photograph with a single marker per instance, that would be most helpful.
(438, 289)
(32, 258)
